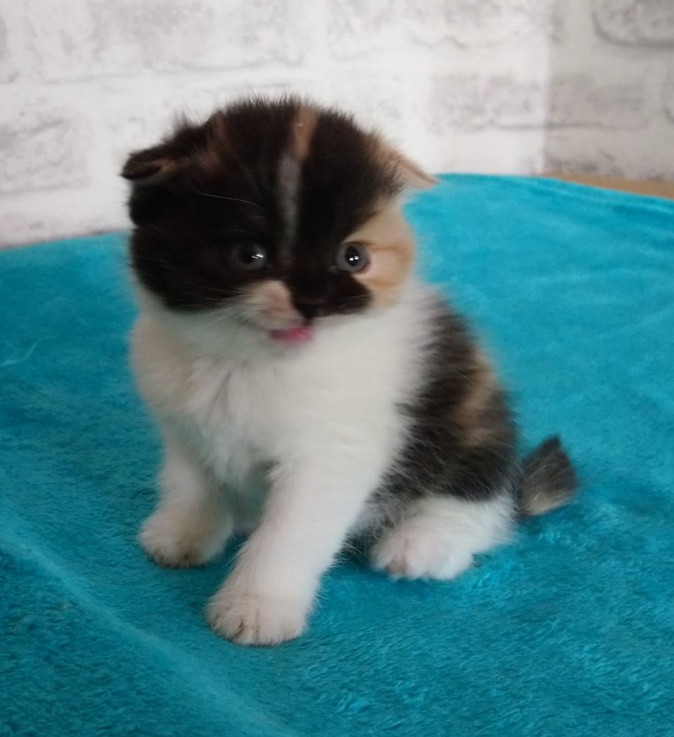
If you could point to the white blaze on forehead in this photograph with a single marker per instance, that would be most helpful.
(289, 184)
(290, 167)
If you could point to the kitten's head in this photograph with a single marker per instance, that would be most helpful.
(280, 214)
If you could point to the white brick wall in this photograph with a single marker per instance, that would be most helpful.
(516, 86)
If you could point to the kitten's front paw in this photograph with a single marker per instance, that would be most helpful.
(249, 619)
(176, 540)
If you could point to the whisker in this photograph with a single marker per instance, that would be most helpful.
(221, 315)
(222, 197)
(159, 231)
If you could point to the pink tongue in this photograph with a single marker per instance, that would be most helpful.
(292, 335)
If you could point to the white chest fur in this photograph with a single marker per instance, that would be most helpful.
(339, 392)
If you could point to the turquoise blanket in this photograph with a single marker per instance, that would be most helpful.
(569, 631)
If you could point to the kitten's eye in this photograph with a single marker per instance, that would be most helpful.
(352, 257)
(250, 256)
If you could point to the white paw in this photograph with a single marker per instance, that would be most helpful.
(413, 552)
(249, 619)
(177, 540)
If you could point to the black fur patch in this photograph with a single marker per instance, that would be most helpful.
(221, 190)
(440, 458)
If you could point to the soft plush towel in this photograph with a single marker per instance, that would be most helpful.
(568, 631)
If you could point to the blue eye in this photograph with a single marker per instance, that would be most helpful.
(352, 257)
(249, 256)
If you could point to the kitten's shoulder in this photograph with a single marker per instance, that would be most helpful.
(436, 320)
(160, 363)
(456, 369)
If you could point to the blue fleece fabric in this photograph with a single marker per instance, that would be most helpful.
(569, 631)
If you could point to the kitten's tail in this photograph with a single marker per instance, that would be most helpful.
(548, 479)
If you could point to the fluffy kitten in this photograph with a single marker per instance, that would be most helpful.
(309, 389)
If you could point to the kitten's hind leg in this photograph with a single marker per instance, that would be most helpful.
(439, 536)
(191, 524)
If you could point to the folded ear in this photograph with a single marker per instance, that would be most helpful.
(155, 164)
(151, 165)
(412, 175)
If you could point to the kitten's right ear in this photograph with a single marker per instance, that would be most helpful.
(150, 166)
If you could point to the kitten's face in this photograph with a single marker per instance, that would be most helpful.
(281, 214)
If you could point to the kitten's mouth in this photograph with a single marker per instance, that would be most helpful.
(301, 334)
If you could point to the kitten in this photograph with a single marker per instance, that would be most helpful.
(310, 390)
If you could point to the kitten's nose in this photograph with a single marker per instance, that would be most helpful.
(308, 309)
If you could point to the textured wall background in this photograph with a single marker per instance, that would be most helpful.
(471, 85)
